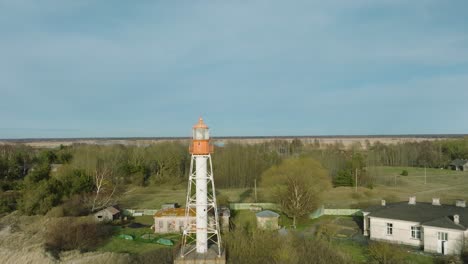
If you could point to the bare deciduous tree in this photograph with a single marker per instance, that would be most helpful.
(104, 188)
(297, 184)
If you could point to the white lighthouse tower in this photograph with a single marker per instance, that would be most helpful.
(201, 239)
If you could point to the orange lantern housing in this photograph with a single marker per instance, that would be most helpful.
(201, 139)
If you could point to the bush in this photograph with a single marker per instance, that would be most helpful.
(268, 247)
(160, 255)
(404, 173)
(222, 200)
(387, 253)
(73, 233)
(449, 260)
(56, 212)
(40, 197)
(7, 202)
(76, 205)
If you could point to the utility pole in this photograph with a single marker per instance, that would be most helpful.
(425, 175)
(356, 179)
(255, 189)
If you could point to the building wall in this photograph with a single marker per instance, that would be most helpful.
(454, 244)
(401, 231)
(268, 223)
(170, 224)
(103, 216)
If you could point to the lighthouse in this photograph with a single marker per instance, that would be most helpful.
(201, 238)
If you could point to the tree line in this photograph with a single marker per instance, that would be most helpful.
(94, 176)
(89, 177)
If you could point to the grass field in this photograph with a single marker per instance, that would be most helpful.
(446, 184)
(389, 185)
(120, 245)
(153, 196)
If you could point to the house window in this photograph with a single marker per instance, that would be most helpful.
(161, 224)
(416, 232)
(389, 229)
(442, 236)
(181, 223)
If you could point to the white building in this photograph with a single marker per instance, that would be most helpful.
(433, 227)
(171, 220)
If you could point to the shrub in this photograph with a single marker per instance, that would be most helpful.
(40, 197)
(454, 259)
(386, 253)
(268, 247)
(76, 205)
(404, 173)
(222, 200)
(56, 212)
(160, 255)
(73, 233)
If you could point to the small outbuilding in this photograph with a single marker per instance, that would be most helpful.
(224, 215)
(108, 214)
(267, 220)
(459, 165)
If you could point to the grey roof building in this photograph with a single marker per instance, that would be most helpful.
(435, 227)
(267, 220)
(459, 164)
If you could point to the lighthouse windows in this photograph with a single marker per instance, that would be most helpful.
(201, 134)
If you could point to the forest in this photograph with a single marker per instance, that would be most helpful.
(89, 177)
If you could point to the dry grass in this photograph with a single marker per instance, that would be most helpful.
(448, 185)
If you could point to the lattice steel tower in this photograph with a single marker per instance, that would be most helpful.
(204, 233)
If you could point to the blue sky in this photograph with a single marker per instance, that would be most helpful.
(87, 68)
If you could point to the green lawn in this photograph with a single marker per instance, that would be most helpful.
(357, 252)
(138, 245)
(153, 196)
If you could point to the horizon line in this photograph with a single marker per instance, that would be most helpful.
(243, 137)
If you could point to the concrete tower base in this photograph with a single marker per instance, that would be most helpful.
(210, 257)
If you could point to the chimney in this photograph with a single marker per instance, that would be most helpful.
(383, 202)
(460, 203)
(456, 219)
(435, 201)
(412, 200)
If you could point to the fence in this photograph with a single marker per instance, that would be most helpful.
(322, 211)
(248, 206)
(139, 212)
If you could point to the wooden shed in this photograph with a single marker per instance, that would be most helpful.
(108, 214)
